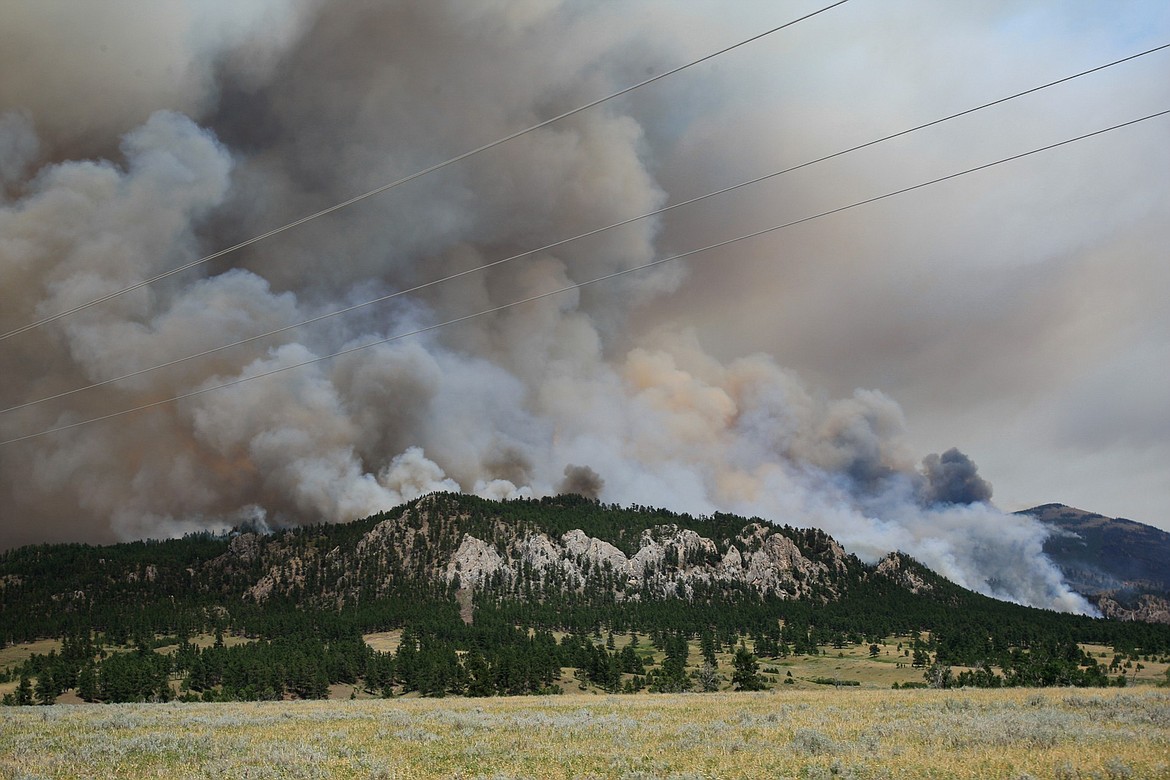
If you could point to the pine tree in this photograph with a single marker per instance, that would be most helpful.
(46, 691)
(921, 658)
(746, 676)
(24, 691)
(707, 648)
(87, 683)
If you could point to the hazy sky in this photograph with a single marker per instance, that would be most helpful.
(1021, 313)
(821, 375)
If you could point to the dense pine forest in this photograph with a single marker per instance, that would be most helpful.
(499, 599)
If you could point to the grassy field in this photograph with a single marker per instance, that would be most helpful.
(13, 655)
(783, 733)
(850, 663)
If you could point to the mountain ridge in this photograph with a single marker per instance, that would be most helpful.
(447, 550)
(471, 550)
(1121, 566)
(479, 591)
(452, 542)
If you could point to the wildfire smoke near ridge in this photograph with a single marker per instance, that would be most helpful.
(725, 382)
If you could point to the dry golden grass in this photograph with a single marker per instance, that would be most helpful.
(16, 654)
(779, 734)
(385, 641)
(202, 641)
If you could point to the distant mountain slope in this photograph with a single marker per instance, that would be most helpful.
(565, 563)
(479, 588)
(448, 549)
(476, 546)
(1121, 565)
(1101, 553)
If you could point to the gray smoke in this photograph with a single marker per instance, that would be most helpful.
(953, 478)
(19, 146)
(582, 481)
(305, 104)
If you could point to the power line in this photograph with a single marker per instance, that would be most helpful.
(579, 236)
(580, 285)
(411, 177)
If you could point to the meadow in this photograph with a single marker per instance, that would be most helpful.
(783, 733)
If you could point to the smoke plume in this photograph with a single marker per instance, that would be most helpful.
(307, 103)
(953, 478)
(582, 481)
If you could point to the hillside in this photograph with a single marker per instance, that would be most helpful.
(450, 549)
(488, 597)
(1122, 566)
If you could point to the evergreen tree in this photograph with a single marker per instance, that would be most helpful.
(87, 683)
(24, 691)
(707, 649)
(921, 658)
(672, 676)
(746, 676)
(631, 663)
(46, 691)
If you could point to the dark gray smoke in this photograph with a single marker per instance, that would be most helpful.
(582, 481)
(953, 478)
(241, 125)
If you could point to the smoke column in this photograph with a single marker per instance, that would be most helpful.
(304, 104)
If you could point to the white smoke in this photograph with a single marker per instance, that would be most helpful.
(551, 395)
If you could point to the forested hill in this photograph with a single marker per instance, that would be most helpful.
(557, 562)
(1121, 566)
(465, 574)
(445, 548)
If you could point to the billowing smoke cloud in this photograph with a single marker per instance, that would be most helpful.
(583, 481)
(543, 398)
(953, 478)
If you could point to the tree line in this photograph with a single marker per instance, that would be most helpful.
(115, 607)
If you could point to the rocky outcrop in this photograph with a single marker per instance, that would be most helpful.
(1147, 607)
(777, 566)
(432, 542)
(474, 563)
(895, 568)
(594, 552)
(287, 576)
(245, 548)
(670, 561)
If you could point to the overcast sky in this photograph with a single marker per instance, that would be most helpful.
(1017, 315)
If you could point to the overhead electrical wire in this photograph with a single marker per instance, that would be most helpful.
(579, 236)
(580, 285)
(411, 177)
